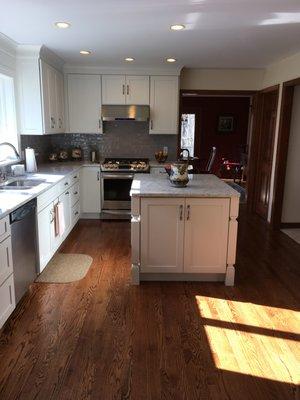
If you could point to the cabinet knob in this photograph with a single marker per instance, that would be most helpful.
(67, 193)
(75, 192)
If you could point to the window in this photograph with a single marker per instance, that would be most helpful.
(8, 126)
(188, 132)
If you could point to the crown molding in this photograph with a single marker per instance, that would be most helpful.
(42, 52)
(98, 70)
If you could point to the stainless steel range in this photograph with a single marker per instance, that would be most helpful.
(116, 179)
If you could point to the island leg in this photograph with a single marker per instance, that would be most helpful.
(232, 241)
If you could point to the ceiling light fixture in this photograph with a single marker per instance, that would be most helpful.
(85, 52)
(129, 59)
(171, 60)
(177, 27)
(62, 25)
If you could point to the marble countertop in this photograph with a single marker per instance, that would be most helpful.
(202, 185)
(10, 200)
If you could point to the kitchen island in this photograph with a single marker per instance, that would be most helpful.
(183, 234)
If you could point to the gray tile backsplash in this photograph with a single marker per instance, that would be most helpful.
(120, 139)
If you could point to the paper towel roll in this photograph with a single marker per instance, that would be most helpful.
(30, 160)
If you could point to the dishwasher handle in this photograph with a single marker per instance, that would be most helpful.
(22, 212)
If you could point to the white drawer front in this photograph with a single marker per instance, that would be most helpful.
(75, 213)
(6, 264)
(64, 185)
(7, 299)
(4, 228)
(74, 177)
(75, 189)
(47, 197)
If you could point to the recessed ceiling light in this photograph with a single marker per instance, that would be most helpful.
(129, 59)
(171, 60)
(62, 25)
(85, 52)
(177, 27)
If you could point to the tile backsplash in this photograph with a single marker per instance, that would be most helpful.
(120, 139)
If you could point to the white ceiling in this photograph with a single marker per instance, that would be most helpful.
(219, 33)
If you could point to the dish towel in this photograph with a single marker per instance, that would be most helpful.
(60, 225)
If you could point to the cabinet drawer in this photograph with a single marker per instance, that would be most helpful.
(74, 178)
(6, 264)
(7, 299)
(75, 213)
(64, 185)
(47, 197)
(75, 194)
(4, 228)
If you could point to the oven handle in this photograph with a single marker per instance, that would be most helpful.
(117, 176)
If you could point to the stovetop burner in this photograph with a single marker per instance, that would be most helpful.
(125, 164)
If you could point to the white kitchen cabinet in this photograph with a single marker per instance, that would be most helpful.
(162, 235)
(90, 199)
(113, 89)
(84, 103)
(65, 199)
(40, 97)
(137, 89)
(7, 299)
(164, 94)
(184, 235)
(125, 89)
(206, 235)
(45, 221)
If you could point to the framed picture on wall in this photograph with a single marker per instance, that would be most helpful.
(225, 124)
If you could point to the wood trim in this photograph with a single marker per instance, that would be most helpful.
(270, 89)
(282, 153)
(293, 82)
(290, 225)
(218, 92)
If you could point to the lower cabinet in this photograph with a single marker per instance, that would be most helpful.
(7, 290)
(90, 198)
(188, 235)
(48, 239)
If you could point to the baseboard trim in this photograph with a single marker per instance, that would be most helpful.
(289, 225)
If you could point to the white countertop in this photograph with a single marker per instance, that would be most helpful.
(10, 200)
(202, 185)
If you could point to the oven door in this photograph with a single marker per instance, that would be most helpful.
(116, 191)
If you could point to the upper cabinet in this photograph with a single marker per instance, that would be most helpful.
(84, 103)
(121, 89)
(40, 97)
(164, 94)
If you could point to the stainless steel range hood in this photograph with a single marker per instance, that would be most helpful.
(125, 113)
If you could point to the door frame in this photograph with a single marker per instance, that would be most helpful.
(257, 114)
(282, 150)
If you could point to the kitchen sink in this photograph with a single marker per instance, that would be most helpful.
(21, 184)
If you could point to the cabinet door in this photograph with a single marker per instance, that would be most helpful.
(6, 263)
(65, 199)
(90, 190)
(164, 92)
(7, 299)
(59, 82)
(113, 89)
(84, 103)
(49, 86)
(45, 229)
(137, 90)
(206, 235)
(162, 229)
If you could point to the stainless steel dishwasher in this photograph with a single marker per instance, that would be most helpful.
(23, 235)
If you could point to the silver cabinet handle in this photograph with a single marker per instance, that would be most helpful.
(99, 123)
(76, 213)
(123, 86)
(75, 177)
(7, 256)
(188, 212)
(75, 193)
(127, 89)
(52, 122)
(67, 193)
(181, 212)
(151, 124)
(52, 216)
(66, 184)
(98, 176)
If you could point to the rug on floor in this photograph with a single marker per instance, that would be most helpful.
(293, 234)
(65, 268)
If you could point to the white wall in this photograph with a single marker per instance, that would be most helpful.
(221, 79)
(291, 200)
(282, 71)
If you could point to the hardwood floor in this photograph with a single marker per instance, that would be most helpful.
(101, 338)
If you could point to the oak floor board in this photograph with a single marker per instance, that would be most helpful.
(101, 338)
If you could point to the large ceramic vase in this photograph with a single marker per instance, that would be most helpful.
(179, 174)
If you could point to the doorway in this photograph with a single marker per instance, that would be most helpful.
(262, 146)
